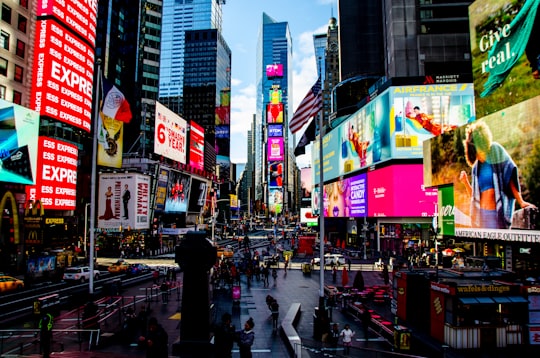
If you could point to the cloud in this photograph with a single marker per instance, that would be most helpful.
(243, 106)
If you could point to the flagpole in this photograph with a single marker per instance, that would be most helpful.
(97, 86)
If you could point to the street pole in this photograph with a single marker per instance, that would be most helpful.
(85, 227)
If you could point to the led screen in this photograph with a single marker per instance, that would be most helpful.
(170, 134)
(275, 148)
(275, 70)
(274, 113)
(196, 146)
(79, 15)
(177, 192)
(197, 195)
(346, 197)
(275, 170)
(275, 130)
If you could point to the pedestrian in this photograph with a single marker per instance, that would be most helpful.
(266, 275)
(246, 337)
(286, 264)
(45, 338)
(349, 262)
(334, 335)
(334, 274)
(174, 274)
(164, 288)
(274, 275)
(386, 276)
(156, 340)
(274, 309)
(155, 276)
(347, 334)
(224, 337)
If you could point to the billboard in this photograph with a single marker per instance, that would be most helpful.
(275, 148)
(275, 200)
(307, 186)
(493, 160)
(56, 179)
(110, 144)
(196, 146)
(124, 201)
(79, 15)
(346, 197)
(275, 130)
(307, 216)
(198, 195)
(222, 141)
(275, 95)
(19, 128)
(170, 134)
(161, 189)
(177, 192)
(504, 48)
(274, 70)
(274, 113)
(391, 195)
(63, 75)
(275, 170)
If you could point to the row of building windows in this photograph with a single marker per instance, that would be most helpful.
(17, 96)
(20, 47)
(22, 21)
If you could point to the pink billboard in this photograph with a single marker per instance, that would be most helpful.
(196, 146)
(275, 148)
(398, 190)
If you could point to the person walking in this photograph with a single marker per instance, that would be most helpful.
(246, 337)
(224, 337)
(347, 334)
(266, 275)
(164, 288)
(334, 335)
(156, 341)
(274, 309)
(45, 338)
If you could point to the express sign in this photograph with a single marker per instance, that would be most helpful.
(63, 73)
(56, 179)
(79, 15)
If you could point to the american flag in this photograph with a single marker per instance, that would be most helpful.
(310, 105)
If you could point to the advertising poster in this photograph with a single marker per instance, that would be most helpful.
(307, 186)
(110, 142)
(346, 197)
(80, 19)
(275, 130)
(274, 113)
(223, 115)
(177, 192)
(276, 200)
(274, 71)
(390, 195)
(223, 140)
(196, 146)
(198, 195)
(124, 201)
(170, 134)
(275, 170)
(505, 45)
(19, 128)
(421, 112)
(275, 148)
(56, 180)
(161, 190)
(275, 95)
(498, 156)
(224, 163)
(307, 216)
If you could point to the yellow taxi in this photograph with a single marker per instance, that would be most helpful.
(224, 253)
(8, 283)
(120, 266)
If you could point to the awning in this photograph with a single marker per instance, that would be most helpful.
(518, 299)
(468, 300)
(484, 300)
(501, 299)
(490, 300)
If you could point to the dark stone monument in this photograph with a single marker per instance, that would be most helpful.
(196, 256)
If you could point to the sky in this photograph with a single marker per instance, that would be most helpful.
(242, 20)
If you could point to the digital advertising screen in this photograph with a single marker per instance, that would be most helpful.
(79, 15)
(274, 113)
(275, 148)
(223, 115)
(177, 192)
(275, 95)
(161, 190)
(63, 75)
(124, 200)
(307, 216)
(422, 112)
(398, 190)
(274, 70)
(307, 186)
(346, 197)
(56, 179)
(223, 140)
(498, 156)
(19, 128)
(196, 146)
(275, 130)
(275, 170)
(170, 134)
(197, 195)
(504, 48)
(276, 200)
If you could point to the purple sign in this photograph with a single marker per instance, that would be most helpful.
(275, 148)
(346, 197)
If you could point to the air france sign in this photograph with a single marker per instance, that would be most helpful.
(63, 73)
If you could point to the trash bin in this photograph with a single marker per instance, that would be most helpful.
(306, 268)
(402, 338)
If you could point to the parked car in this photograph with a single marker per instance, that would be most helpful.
(337, 259)
(80, 274)
(9, 283)
(118, 267)
(138, 269)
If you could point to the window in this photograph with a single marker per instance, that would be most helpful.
(6, 13)
(24, 3)
(19, 72)
(3, 92)
(3, 66)
(4, 40)
(17, 97)
(22, 23)
(21, 48)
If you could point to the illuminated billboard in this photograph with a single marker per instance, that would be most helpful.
(274, 113)
(275, 148)
(505, 168)
(276, 200)
(79, 15)
(390, 195)
(161, 190)
(275, 95)
(56, 179)
(275, 170)
(196, 146)
(222, 140)
(63, 75)
(274, 70)
(170, 134)
(19, 128)
(223, 115)
(346, 197)
(504, 49)
(124, 201)
(178, 188)
(307, 186)
(275, 130)
(198, 195)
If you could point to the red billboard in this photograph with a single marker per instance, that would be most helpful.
(79, 15)
(196, 146)
(63, 75)
(56, 179)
